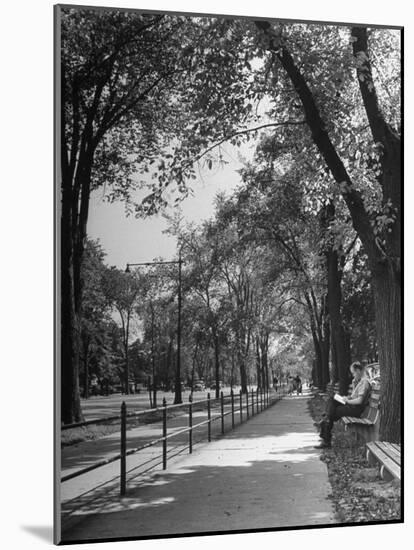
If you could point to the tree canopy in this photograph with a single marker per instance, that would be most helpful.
(312, 230)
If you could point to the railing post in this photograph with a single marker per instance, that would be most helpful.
(123, 448)
(261, 399)
(222, 412)
(190, 424)
(241, 407)
(209, 417)
(164, 434)
(247, 403)
(232, 409)
(257, 400)
(252, 402)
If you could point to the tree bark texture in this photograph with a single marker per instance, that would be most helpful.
(70, 333)
(337, 328)
(387, 297)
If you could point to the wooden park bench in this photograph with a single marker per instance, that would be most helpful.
(366, 427)
(388, 456)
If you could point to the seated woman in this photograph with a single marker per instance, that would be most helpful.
(354, 404)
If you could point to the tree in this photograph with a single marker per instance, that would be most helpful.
(106, 83)
(135, 89)
(200, 247)
(95, 314)
(358, 308)
(272, 211)
(159, 315)
(380, 230)
(122, 291)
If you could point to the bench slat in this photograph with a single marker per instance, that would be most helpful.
(356, 420)
(380, 451)
(387, 448)
(383, 458)
(392, 452)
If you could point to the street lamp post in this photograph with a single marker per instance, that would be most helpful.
(178, 397)
(177, 389)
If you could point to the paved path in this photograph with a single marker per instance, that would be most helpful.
(75, 458)
(264, 474)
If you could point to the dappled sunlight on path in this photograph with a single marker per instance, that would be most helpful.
(263, 475)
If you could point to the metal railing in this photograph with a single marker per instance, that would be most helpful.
(217, 410)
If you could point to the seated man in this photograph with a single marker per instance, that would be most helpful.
(354, 404)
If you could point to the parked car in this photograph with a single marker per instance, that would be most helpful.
(199, 386)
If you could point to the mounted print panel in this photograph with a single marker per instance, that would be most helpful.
(228, 314)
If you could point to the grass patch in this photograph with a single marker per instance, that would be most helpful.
(87, 433)
(96, 431)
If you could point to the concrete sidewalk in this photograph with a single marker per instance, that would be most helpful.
(263, 474)
(87, 453)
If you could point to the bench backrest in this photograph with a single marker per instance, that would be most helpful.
(371, 411)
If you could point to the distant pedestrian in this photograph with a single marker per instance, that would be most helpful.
(298, 384)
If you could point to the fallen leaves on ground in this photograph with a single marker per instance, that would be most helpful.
(358, 492)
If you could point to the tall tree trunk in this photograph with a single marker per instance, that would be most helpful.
(258, 364)
(325, 345)
(335, 315)
(387, 297)
(241, 356)
(193, 367)
(314, 373)
(334, 364)
(232, 369)
(243, 374)
(264, 347)
(317, 370)
(334, 300)
(70, 322)
(321, 365)
(319, 324)
(85, 370)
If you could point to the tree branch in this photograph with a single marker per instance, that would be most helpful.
(352, 196)
(246, 131)
(381, 131)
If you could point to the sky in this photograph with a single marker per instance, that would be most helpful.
(131, 240)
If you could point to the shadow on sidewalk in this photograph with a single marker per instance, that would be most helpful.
(277, 483)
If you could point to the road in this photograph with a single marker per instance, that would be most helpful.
(102, 406)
